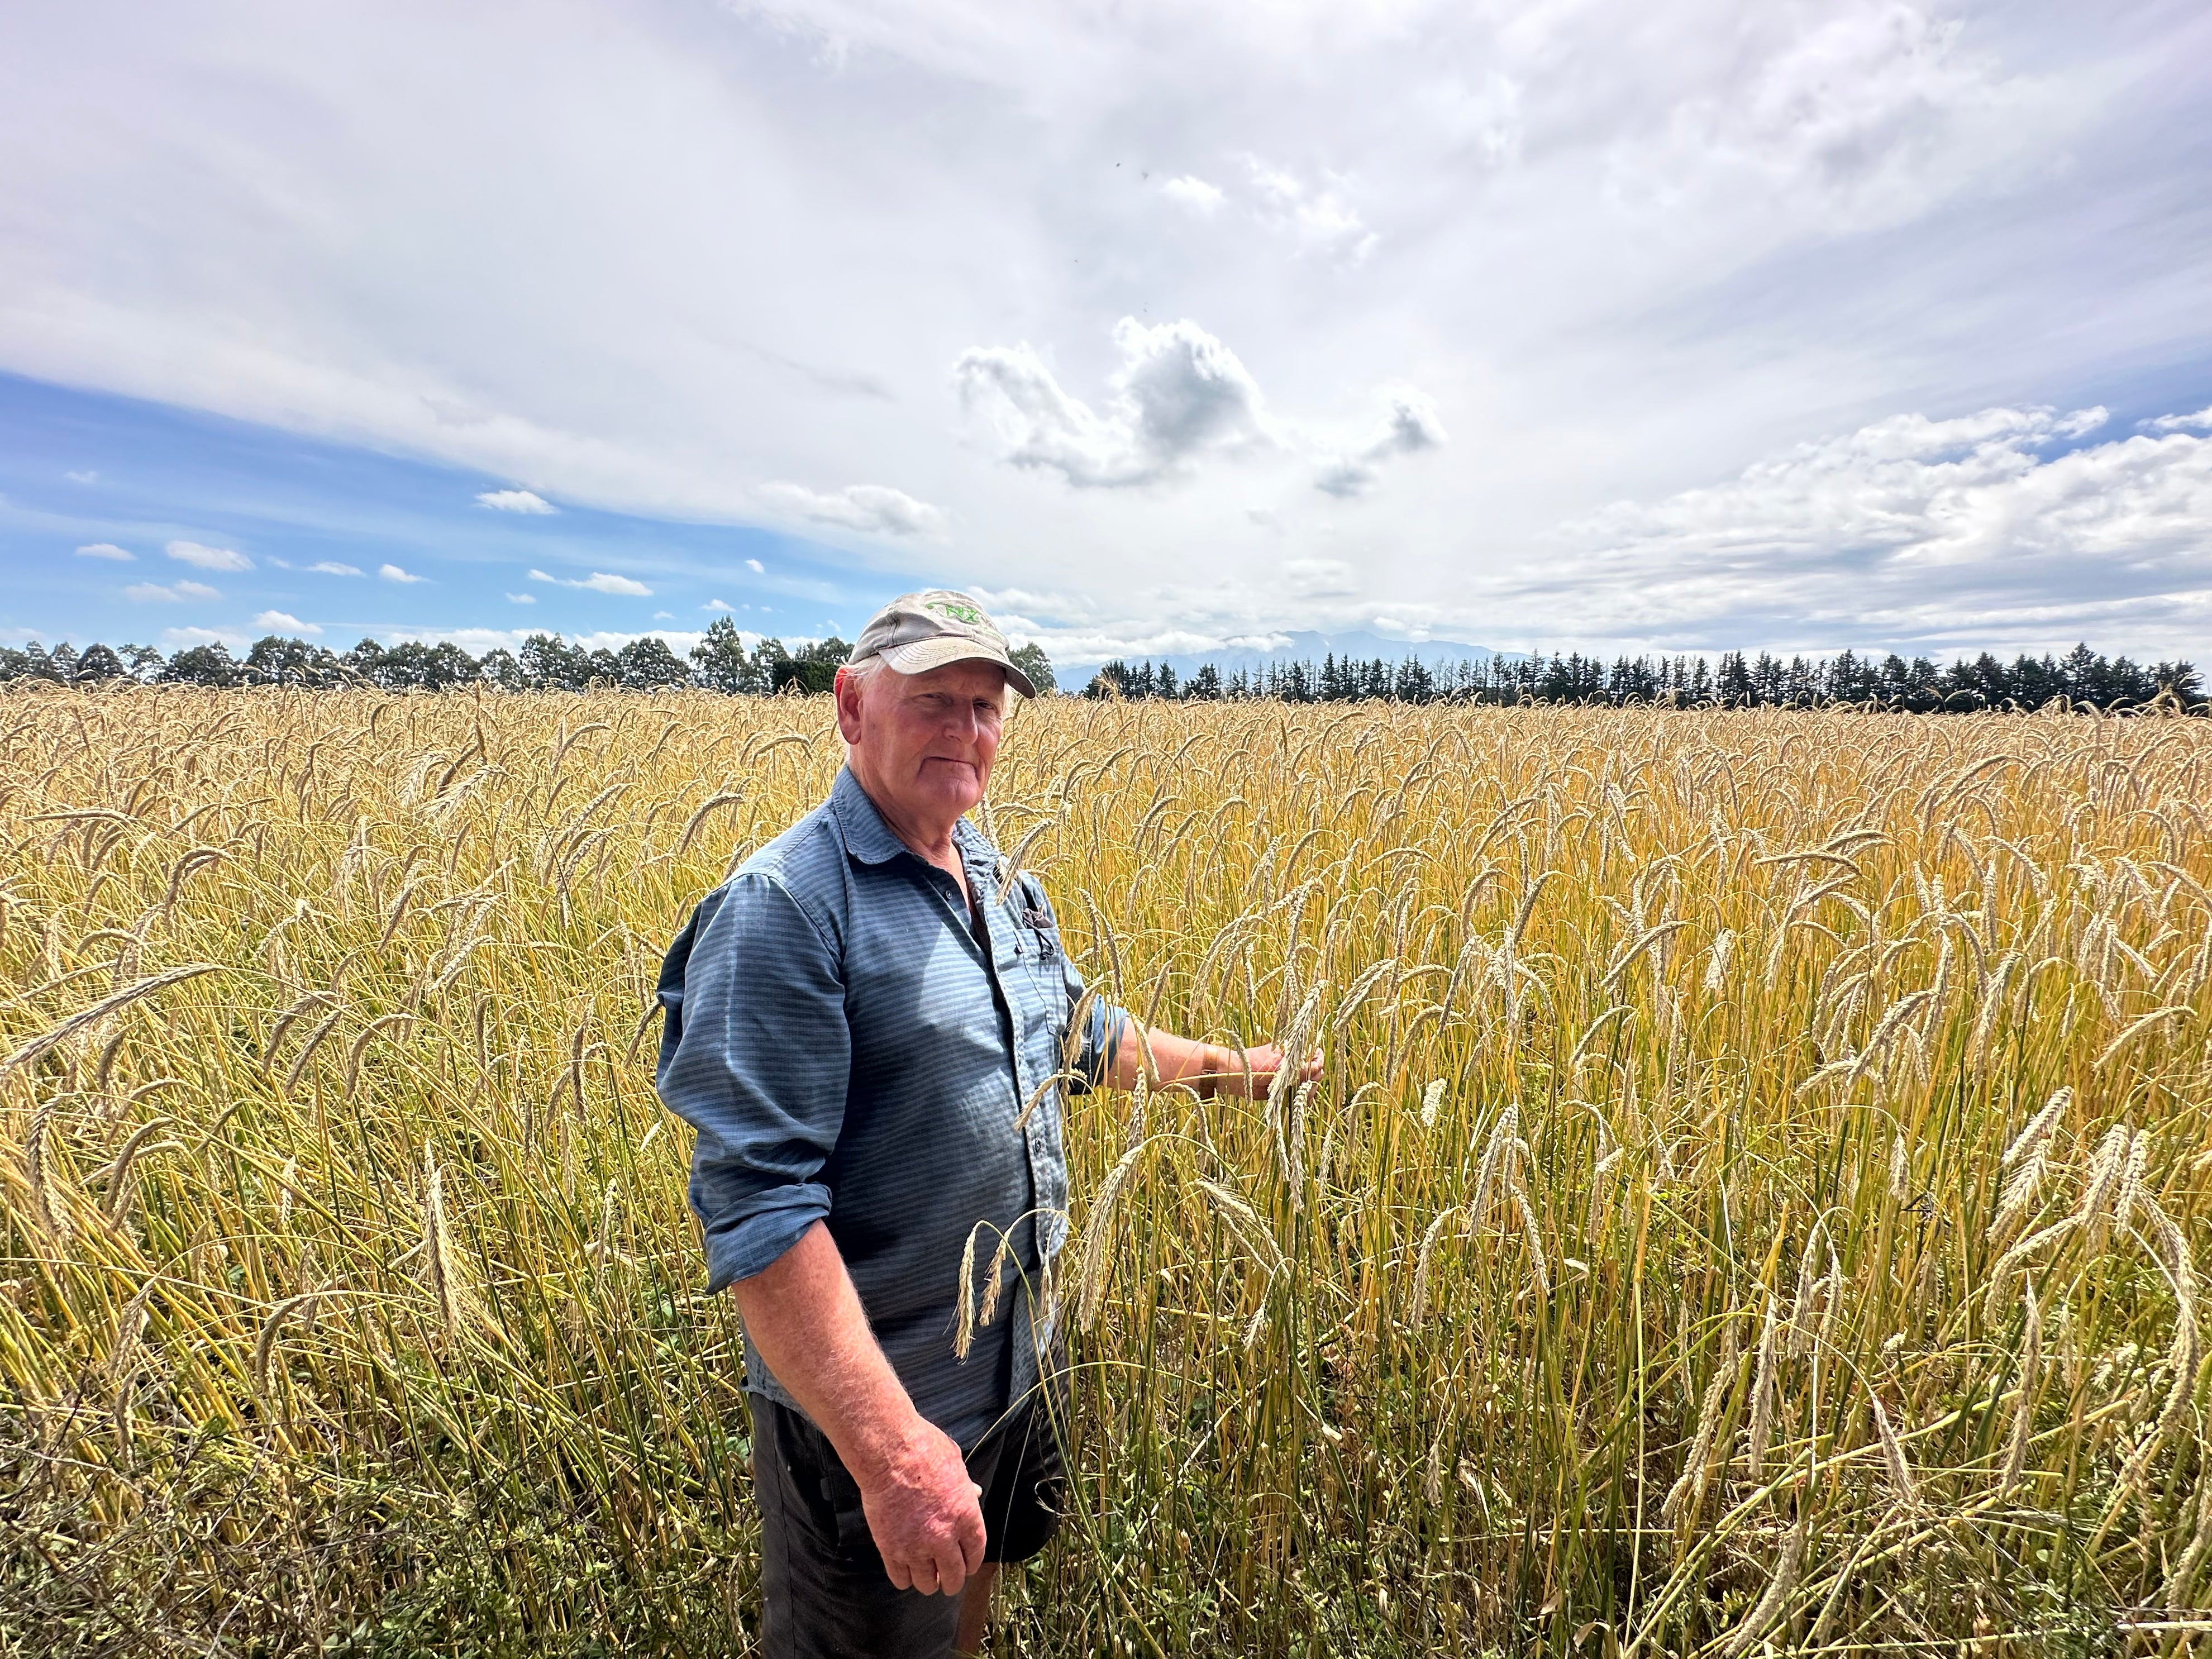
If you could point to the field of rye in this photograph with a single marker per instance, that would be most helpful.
(1753, 1201)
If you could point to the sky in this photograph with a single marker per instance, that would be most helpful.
(1574, 323)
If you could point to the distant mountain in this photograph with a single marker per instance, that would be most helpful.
(1357, 644)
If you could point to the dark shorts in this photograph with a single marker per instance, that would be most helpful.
(825, 1591)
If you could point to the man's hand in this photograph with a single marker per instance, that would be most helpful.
(1266, 1060)
(922, 1510)
(1205, 1067)
(924, 1513)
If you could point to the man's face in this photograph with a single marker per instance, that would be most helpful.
(923, 744)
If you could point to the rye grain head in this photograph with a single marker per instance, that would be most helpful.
(1098, 1237)
(1431, 1100)
(124, 1362)
(1761, 1432)
(2023, 1417)
(1681, 1502)
(1903, 1486)
(2101, 1186)
(441, 1262)
(1505, 1135)
(963, 1331)
(2170, 1247)
(1781, 1585)
(1424, 1259)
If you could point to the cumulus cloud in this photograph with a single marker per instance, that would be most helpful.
(1179, 395)
(85, 477)
(2200, 421)
(873, 509)
(176, 593)
(1934, 491)
(1194, 193)
(756, 567)
(716, 604)
(105, 551)
(515, 501)
(599, 582)
(1980, 528)
(274, 620)
(332, 567)
(1319, 219)
(393, 573)
(522, 599)
(1411, 427)
(208, 558)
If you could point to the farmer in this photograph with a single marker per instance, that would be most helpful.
(869, 1027)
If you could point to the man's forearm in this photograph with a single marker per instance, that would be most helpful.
(1178, 1058)
(806, 1320)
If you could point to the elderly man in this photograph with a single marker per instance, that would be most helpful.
(871, 1035)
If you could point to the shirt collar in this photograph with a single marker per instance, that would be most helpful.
(869, 840)
(867, 837)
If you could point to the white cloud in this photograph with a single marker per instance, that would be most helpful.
(873, 509)
(208, 558)
(1319, 219)
(105, 551)
(1411, 428)
(515, 501)
(756, 567)
(1188, 190)
(1628, 251)
(664, 615)
(176, 593)
(1970, 528)
(290, 624)
(85, 477)
(393, 573)
(522, 599)
(332, 567)
(599, 582)
(715, 605)
(1179, 395)
(2200, 421)
(1859, 119)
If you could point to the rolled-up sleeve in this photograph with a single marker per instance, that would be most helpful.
(1102, 1036)
(756, 1055)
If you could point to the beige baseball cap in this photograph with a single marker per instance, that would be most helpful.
(917, 632)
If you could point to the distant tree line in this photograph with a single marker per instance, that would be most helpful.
(722, 661)
(546, 662)
(1737, 680)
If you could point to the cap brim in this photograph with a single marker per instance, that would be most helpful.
(922, 655)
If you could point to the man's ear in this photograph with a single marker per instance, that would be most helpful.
(849, 690)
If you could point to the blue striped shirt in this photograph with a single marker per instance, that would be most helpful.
(852, 1047)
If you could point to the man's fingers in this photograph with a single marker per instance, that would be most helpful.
(972, 1537)
(949, 1571)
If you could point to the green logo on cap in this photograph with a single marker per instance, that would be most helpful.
(966, 613)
